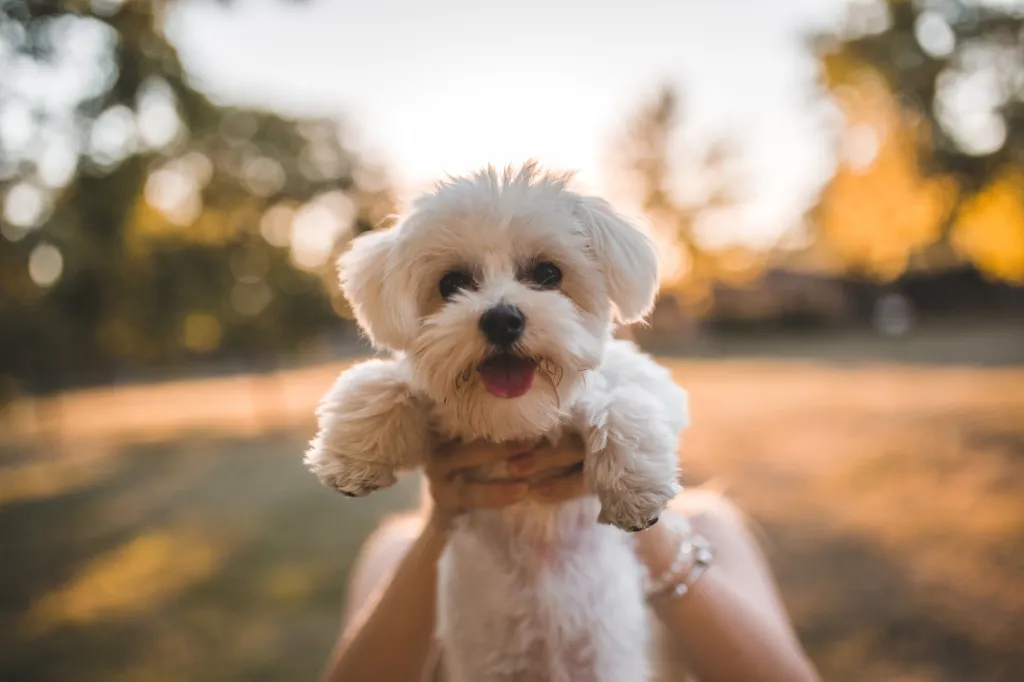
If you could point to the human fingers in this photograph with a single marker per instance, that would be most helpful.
(563, 488)
(455, 457)
(458, 495)
(548, 459)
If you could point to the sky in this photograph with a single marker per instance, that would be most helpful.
(435, 87)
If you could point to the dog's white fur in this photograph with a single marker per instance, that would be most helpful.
(532, 592)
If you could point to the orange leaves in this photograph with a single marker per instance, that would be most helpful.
(990, 228)
(879, 208)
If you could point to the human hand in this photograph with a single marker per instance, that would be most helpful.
(547, 474)
(555, 472)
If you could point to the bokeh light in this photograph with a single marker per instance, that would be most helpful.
(158, 120)
(175, 193)
(276, 225)
(24, 205)
(113, 136)
(45, 265)
(201, 332)
(318, 226)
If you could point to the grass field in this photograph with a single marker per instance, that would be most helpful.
(169, 532)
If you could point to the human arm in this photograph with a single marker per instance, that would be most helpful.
(390, 633)
(731, 624)
(390, 636)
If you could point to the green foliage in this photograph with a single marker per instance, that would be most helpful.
(135, 232)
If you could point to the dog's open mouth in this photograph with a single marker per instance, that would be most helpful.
(507, 375)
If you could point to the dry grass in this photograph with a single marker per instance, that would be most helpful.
(169, 532)
(893, 504)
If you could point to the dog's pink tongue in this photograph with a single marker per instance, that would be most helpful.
(507, 376)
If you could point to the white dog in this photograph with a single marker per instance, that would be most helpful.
(498, 294)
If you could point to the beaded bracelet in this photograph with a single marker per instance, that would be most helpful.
(693, 556)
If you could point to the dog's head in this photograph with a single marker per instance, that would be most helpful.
(502, 290)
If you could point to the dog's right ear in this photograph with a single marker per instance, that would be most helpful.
(627, 256)
(371, 280)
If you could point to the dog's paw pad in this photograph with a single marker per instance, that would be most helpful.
(630, 515)
(352, 481)
(637, 529)
(350, 488)
(359, 493)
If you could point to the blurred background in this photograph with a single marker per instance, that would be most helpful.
(837, 190)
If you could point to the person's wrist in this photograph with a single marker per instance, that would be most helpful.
(656, 547)
(441, 517)
(675, 558)
(439, 523)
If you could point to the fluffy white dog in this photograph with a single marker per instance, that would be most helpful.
(498, 294)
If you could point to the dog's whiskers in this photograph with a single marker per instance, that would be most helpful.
(552, 375)
(463, 378)
(553, 370)
(554, 389)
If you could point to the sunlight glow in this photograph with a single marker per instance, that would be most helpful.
(441, 97)
(140, 574)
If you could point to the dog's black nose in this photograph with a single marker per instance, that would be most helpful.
(503, 324)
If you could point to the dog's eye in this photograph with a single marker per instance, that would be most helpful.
(546, 274)
(454, 282)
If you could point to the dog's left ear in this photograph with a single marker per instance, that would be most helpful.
(625, 254)
(372, 280)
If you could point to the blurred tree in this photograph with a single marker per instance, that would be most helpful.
(143, 226)
(880, 212)
(684, 193)
(933, 145)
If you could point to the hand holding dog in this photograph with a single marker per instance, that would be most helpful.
(544, 473)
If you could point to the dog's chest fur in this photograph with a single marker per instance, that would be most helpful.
(542, 594)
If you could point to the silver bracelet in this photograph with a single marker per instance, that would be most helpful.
(693, 557)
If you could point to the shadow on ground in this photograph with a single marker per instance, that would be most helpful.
(199, 559)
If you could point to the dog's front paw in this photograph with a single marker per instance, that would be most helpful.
(353, 478)
(633, 483)
(373, 478)
(633, 511)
